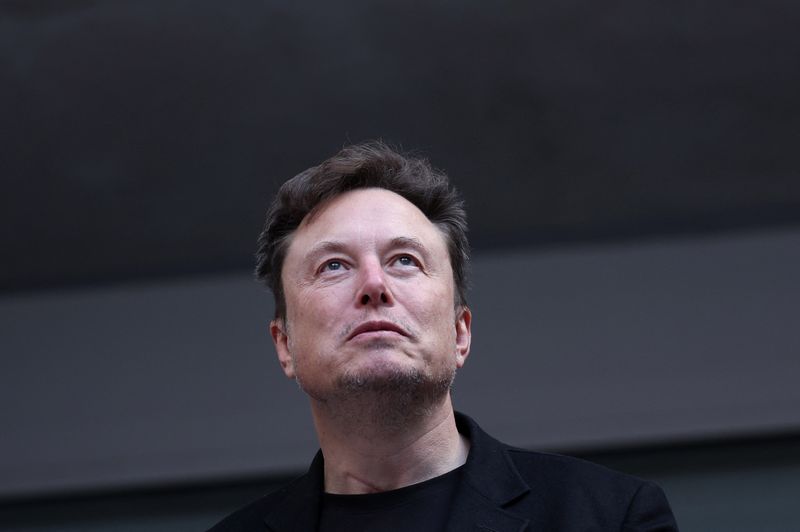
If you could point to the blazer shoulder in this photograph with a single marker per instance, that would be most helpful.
(570, 471)
(563, 464)
(251, 517)
(618, 500)
(291, 507)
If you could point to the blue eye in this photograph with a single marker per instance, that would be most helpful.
(406, 260)
(332, 265)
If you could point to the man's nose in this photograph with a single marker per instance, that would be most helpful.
(374, 289)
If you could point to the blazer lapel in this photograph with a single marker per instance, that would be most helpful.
(490, 484)
(471, 511)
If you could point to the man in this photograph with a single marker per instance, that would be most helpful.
(366, 255)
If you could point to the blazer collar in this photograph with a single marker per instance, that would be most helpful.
(490, 482)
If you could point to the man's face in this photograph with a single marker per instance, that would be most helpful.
(369, 297)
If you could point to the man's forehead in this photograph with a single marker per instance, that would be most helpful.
(365, 199)
(376, 205)
(372, 215)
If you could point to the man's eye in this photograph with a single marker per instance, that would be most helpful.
(406, 260)
(331, 266)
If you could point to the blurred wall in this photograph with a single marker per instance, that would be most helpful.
(583, 348)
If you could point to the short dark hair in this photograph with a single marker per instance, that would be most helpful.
(366, 165)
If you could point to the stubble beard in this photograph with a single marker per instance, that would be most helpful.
(389, 398)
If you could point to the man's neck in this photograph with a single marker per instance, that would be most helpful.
(369, 454)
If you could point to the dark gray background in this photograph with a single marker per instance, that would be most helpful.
(143, 138)
(580, 349)
(632, 177)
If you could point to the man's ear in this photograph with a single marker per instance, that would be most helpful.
(463, 334)
(277, 329)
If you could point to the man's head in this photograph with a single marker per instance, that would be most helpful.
(368, 165)
(366, 255)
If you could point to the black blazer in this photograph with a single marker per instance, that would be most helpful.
(503, 489)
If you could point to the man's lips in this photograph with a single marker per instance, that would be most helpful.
(376, 326)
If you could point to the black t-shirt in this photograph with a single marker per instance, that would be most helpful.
(422, 507)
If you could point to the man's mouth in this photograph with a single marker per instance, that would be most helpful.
(376, 327)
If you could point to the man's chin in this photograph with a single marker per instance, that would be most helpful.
(395, 381)
(390, 377)
(381, 377)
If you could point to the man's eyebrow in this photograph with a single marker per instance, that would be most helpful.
(413, 244)
(335, 246)
(408, 242)
(326, 246)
